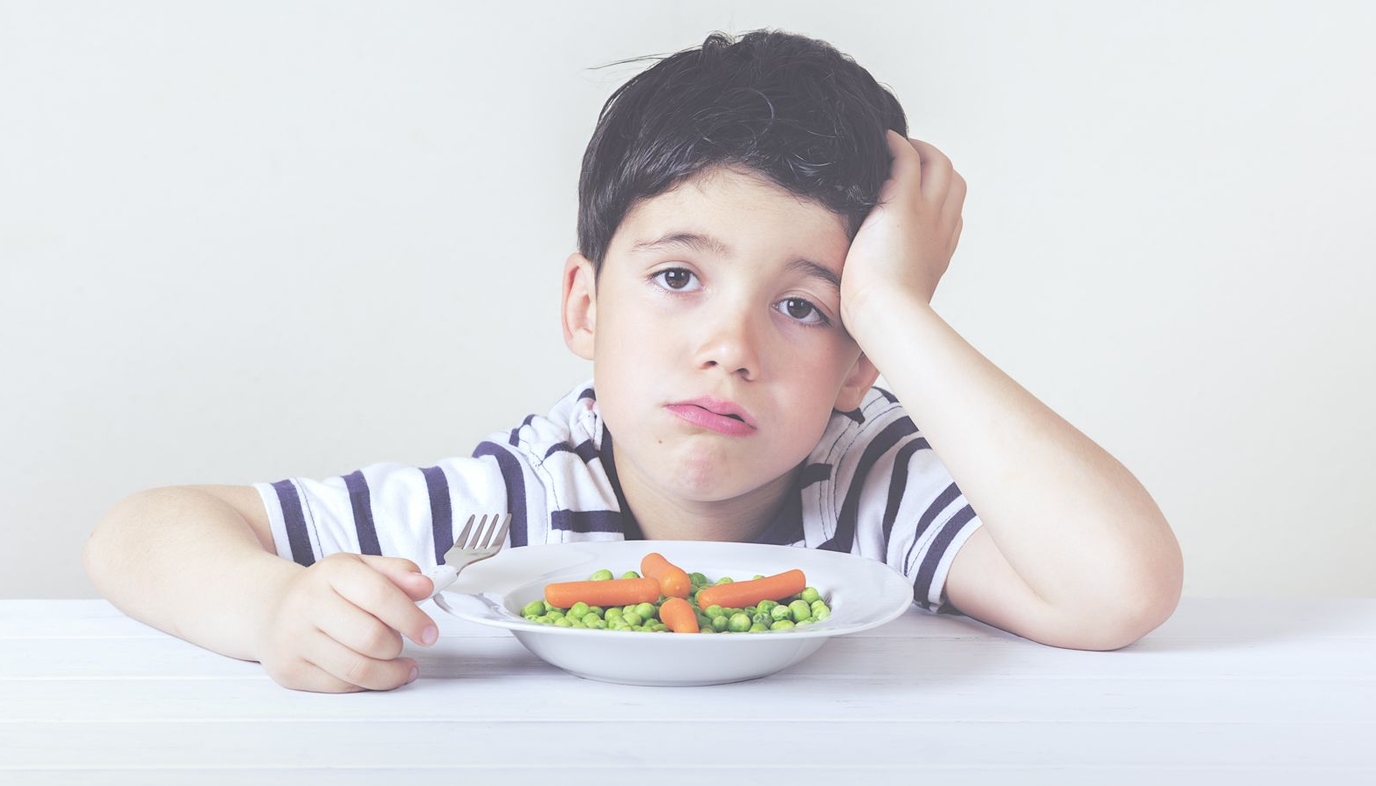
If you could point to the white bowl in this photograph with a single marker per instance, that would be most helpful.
(862, 593)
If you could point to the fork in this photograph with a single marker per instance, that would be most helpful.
(473, 545)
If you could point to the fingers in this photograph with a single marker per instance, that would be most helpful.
(344, 668)
(404, 573)
(372, 584)
(930, 169)
(326, 666)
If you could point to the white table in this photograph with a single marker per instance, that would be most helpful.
(1228, 691)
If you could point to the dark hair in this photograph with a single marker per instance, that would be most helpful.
(790, 108)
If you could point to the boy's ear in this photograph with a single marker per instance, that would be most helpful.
(580, 305)
(857, 383)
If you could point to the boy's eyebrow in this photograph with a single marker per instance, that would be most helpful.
(692, 240)
(708, 244)
(809, 268)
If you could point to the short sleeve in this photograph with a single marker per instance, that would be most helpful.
(890, 498)
(384, 509)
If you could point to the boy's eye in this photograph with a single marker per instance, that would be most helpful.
(801, 310)
(675, 278)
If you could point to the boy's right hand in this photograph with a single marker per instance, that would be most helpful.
(335, 626)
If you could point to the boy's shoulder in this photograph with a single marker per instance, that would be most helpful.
(876, 425)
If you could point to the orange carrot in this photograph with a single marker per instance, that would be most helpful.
(612, 592)
(674, 582)
(678, 615)
(739, 594)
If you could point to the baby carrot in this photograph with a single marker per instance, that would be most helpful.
(674, 581)
(612, 592)
(747, 593)
(677, 614)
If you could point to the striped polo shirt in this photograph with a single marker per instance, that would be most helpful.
(872, 487)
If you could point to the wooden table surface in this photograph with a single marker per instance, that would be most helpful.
(1227, 691)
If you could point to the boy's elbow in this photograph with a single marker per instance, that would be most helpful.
(1137, 606)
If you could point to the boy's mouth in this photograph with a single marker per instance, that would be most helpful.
(719, 415)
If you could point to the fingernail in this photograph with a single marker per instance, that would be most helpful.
(430, 635)
(415, 672)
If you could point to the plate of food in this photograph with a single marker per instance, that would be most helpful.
(600, 610)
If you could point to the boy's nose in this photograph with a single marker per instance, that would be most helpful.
(730, 344)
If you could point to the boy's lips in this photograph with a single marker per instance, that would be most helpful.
(719, 415)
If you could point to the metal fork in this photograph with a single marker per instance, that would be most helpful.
(474, 544)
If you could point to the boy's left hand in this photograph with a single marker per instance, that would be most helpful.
(905, 243)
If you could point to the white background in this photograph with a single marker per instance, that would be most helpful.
(241, 241)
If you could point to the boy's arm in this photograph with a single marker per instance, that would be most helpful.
(1073, 551)
(198, 562)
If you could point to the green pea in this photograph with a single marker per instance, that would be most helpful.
(614, 613)
(630, 574)
(647, 611)
(724, 580)
(822, 614)
(595, 623)
(759, 618)
(781, 625)
(780, 612)
(719, 623)
(714, 610)
(576, 622)
(758, 627)
(533, 609)
(632, 619)
(758, 576)
(810, 594)
(766, 605)
(800, 609)
(555, 615)
(805, 622)
(697, 579)
(563, 622)
(595, 610)
(601, 575)
(739, 623)
(577, 610)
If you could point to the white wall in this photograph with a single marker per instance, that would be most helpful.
(244, 240)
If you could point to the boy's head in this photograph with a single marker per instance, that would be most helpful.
(720, 195)
(787, 107)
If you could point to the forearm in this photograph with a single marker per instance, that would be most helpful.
(1074, 524)
(187, 562)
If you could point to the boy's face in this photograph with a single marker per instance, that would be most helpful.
(715, 333)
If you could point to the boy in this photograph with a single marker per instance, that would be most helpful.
(758, 241)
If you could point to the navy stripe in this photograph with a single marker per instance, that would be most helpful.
(441, 511)
(297, 537)
(850, 509)
(515, 438)
(586, 450)
(630, 528)
(854, 414)
(585, 521)
(515, 482)
(889, 397)
(942, 501)
(923, 585)
(787, 526)
(898, 484)
(813, 473)
(587, 393)
(363, 513)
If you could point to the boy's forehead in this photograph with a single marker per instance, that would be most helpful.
(710, 209)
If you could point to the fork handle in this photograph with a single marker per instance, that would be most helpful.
(443, 576)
